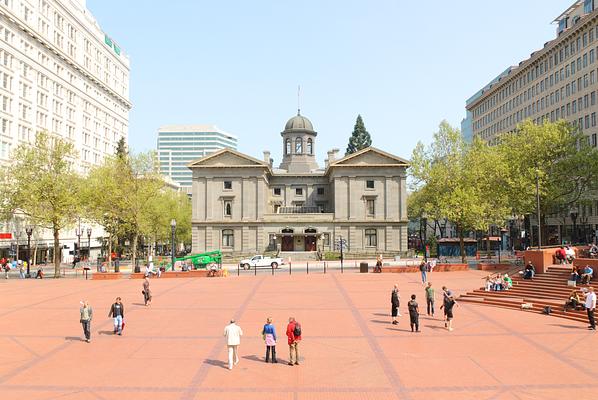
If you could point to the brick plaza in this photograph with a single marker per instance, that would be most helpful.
(175, 349)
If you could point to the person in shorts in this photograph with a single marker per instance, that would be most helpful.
(448, 304)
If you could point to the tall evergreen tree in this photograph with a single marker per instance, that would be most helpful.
(360, 138)
(121, 149)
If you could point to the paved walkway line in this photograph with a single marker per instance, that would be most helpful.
(389, 371)
(203, 370)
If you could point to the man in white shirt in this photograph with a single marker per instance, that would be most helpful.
(233, 333)
(591, 307)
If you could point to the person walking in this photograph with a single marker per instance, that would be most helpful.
(86, 315)
(591, 307)
(379, 261)
(294, 336)
(413, 313)
(147, 293)
(423, 269)
(447, 304)
(394, 304)
(22, 269)
(117, 311)
(430, 297)
(233, 333)
(269, 335)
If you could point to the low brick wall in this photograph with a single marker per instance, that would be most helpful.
(592, 262)
(493, 267)
(437, 268)
(200, 273)
(103, 276)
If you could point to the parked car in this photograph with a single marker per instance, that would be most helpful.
(260, 261)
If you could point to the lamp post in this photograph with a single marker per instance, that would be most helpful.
(29, 231)
(538, 210)
(78, 233)
(17, 237)
(573, 213)
(425, 223)
(88, 244)
(173, 229)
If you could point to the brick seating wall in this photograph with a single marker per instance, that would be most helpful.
(494, 267)
(438, 268)
(200, 273)
(102, 276)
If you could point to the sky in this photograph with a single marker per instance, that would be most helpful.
(403, 65)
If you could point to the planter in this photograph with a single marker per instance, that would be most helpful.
(103, 276)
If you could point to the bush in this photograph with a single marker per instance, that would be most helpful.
(332, 255)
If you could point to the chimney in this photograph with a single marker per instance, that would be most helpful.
(267, 156)
(332, 155)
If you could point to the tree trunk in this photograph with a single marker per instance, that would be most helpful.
(488, 245)
(109, 258)
(57, 252)
(461, 243)
(134, 251)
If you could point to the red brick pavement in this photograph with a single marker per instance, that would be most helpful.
(174, 349)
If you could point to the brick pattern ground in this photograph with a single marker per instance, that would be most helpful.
(175, 350)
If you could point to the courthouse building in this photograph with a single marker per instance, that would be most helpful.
(245, 205)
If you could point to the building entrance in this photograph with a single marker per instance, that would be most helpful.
(288, 241)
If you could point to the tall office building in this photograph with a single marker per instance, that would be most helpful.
(559, 81)
(178, 145)
(59, 72)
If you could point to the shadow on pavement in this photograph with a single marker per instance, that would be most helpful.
(254, 358)
(74, 339)
(111, 333)
(217, 363)
(380, 314)
(377, 321)
(576, 327)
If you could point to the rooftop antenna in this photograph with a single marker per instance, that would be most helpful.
(298, 99)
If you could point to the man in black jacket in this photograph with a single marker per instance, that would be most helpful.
(394, 302)
(117, 311)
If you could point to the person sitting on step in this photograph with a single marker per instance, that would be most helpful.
(587, 274)
(573, 301)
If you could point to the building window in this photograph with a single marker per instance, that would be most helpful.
(228, 185)
(588, 6)
(228, 238)
(593, 140)
(320, 191)
(371, 207)
(298, 191)
(326, 239)
(310, 147)
(228, 208)
(298, 146)
(369, 184)
(277, 191)
(371, 238)
(287, 146)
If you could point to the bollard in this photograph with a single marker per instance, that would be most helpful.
(255, 270)
(324, 266)
(238, 269)
(307, 267)
(272, 265)
(290, 265)
(341, 265)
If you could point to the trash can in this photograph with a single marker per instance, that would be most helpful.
(363, 267)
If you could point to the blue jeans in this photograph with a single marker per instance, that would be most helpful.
(424, 276)
(118, 323)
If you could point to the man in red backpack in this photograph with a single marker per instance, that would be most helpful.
(294, 335)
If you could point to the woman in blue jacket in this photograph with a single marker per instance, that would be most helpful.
(269, 335)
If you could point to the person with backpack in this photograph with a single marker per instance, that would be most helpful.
(269, 335)
(294, 336)
(448, 304)
(413, 314)
(117, 311)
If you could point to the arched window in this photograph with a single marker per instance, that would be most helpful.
(287, 146)
(310, 147)
(298, 146)
(228, 238)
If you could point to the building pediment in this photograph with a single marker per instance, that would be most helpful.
(227, 158)
(368, 157)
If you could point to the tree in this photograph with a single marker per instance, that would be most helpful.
(454, 180)
(558, 156)
(42, 184)
(164, 207)
(121, 149)
(360, 138)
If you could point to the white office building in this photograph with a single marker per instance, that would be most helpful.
(178, 145)
(60, 73)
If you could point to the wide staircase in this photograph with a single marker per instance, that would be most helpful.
(547, 289)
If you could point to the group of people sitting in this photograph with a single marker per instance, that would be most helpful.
(581, 274)
(496, 282)
(565, 254)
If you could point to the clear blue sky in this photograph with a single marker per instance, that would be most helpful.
(403, 65)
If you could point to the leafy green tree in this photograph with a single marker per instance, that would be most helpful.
(360, 138)
(164, 207)
(42, 184)
(558, 156)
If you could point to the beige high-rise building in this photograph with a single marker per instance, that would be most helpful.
(558, 81)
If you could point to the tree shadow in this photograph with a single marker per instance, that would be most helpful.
(217, 363)
(74, 339)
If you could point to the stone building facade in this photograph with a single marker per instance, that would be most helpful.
(244, 205)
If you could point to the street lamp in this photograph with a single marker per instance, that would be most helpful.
(173, 229)
(88, 245)
(78, 233)
(573, 213)
(17, 237)
(29, 231)
(425, 223)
